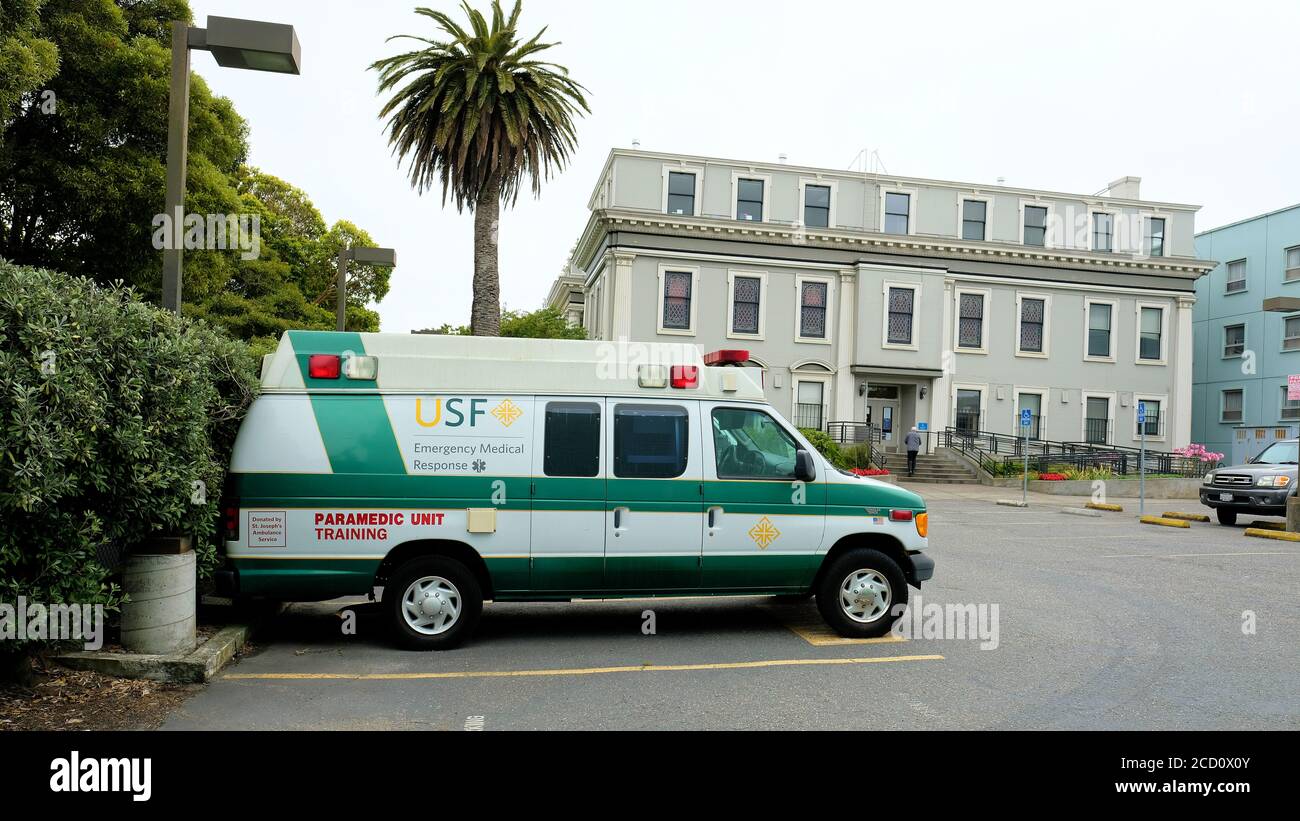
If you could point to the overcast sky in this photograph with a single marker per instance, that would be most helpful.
(1198, 99)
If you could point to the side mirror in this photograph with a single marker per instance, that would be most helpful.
(805, 470)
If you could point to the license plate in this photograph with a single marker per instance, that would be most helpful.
(1225, 497)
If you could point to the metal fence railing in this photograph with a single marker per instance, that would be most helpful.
(808, 415)
(1001, 454)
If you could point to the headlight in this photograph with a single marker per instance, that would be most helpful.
(1209, 478)
(1273, 481)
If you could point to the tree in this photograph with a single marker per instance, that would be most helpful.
(81, 185)
(26, 59)
(476, 111)
(544, 323)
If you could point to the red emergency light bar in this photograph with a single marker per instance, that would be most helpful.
(727, 356)
(323, 366)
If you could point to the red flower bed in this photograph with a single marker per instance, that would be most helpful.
(1052, 477)
(869, 472)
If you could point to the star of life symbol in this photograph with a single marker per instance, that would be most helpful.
(479, 466)
(764, 533)
(507, 412)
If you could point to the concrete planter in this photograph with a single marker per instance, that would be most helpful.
(159, 616)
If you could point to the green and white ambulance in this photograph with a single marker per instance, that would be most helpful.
(445, 471)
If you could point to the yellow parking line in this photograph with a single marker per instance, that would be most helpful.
(1195, 555)
(570, 671)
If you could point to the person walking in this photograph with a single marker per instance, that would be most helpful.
(913, 444)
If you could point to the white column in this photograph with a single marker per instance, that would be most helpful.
(621, 296)
(941, 388)
(1180, 433)
(845, 347)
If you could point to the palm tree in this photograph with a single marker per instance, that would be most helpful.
(477, 111)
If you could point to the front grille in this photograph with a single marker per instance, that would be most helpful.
(1232, 480)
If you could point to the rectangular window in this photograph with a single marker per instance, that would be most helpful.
(745, 295)
(749, 444)
(812, 310)
(681, 193)
(572, 441)
(650, 441)
(970, 327)
(898, 211)
(1033, 316)
(1036, 225)
(1152, 425)
(817, 206)
(749, 200)
(1103, 231)
(974, 219)
(1156, 236)
(1291, 334)
(1236, 276)
(1099, 330)
(808, 405)
(1290, 407)
(1096, 421)
(1234, 340)
(1292, 263)
(677, 300)
(1149, 334)
(1231, 406)
(900, 315)
(1032, 402)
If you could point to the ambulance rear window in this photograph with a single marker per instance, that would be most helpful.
(572, 445)
(650, 441)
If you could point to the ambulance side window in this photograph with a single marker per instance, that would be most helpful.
(749, 444)
(650, 441)
(572, 446)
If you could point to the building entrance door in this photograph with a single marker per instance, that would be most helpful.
(882, 412)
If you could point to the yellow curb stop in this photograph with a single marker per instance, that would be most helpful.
(1266, 533)
(1105, 506)
(1157, 520)
(1187, 517)
(1269, 525)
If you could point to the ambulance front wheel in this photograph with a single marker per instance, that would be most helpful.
(434, 603)
(861, 593)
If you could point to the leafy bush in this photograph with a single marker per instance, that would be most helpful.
(826, 445)
(857, 456)
(116, 423)
(1088, 473)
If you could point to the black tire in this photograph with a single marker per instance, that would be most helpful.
(1226, 516)
(460, 578)
(835, 576)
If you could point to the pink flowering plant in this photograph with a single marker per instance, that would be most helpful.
(1198, 452)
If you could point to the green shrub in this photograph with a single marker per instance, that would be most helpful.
(857, 456)
(826, 445)
(116, 423)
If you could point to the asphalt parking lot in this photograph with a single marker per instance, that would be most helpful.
(1103, 623)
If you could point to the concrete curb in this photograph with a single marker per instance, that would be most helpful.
(1105, 506)
(1156, 520)
(1280, 535)
(1012, 503)
(196, 667)
(1078, 511)
(1186, 517)
(1268, 525)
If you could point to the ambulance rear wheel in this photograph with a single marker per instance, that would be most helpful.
(861, 592)
(433, 602)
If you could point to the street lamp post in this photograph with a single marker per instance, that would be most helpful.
(235, 43)
(1288, 305)
(384, 257)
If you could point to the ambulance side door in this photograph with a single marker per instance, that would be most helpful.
(654, 516)
(568, 488)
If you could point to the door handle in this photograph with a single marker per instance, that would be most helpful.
(618, 520)
(715, 513)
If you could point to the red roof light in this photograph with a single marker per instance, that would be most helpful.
(323, 366)
(685, 376)
(727, 356)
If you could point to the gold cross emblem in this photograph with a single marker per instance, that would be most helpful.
(507, 412)
(764, 533)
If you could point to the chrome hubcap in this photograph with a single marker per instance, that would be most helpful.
(431, 605)
(865, 595)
